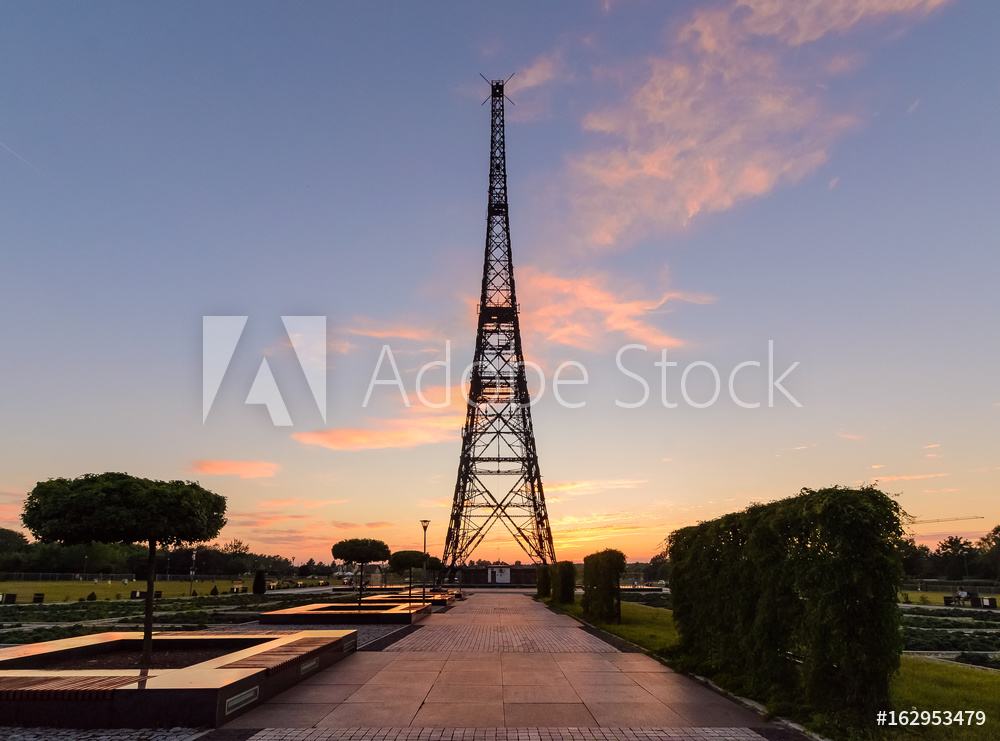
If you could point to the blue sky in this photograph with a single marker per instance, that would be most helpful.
(704, 177)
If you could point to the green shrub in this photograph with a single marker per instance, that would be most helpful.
(601, 585)
(795, 599)
(543, 580)
(259, 583)
(563, 581)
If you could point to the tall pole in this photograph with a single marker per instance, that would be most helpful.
(194, 555)
(423, 598)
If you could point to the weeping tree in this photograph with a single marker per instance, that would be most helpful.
(401, 561)
(360, 551)
(118, 508)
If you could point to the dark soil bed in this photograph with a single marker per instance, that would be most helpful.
(169, 658)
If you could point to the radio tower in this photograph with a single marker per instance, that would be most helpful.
(498, 477)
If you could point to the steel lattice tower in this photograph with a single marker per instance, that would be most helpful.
(498, 476)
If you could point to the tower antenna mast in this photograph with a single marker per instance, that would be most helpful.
(498, 476)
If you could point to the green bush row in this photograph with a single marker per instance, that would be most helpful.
(602, 585)
(543, 580)
(795, 601)
(946, 640)
(563, 575)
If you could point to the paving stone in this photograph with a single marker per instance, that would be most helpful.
(565, 733)
(497, 667)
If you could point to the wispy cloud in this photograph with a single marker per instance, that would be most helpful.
(557, 491)
(262, 519)
(296, 502)
(243, 469)
(414, 429)
(911, 476)
(849, 436)
(365, 526)
(383, 329)
(735, 110)
(571, 530)
(584, 311)
(539, 72)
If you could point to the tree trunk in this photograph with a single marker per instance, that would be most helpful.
(147, 623)
(361, 584)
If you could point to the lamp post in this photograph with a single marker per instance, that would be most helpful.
(85, 566)
(425, 523)
(194, 555)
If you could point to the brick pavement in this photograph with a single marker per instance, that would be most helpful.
(508, 734)
(499, 667)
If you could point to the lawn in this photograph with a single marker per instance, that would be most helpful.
(71, 591)
(921, 683)
(933, 598)
(934, 685)
(649, 627)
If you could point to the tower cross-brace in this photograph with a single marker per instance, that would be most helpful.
(498, 476)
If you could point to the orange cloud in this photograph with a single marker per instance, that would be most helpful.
(582, 312)
(733, 112)
(358, 526)
(261, 519)
(243, 469)
(849, 436)
(569, 531)
(557, 491)
(307, 503)
(809, 20)
(908, 477)
(541, 71)
(368, 327)
(406, 432)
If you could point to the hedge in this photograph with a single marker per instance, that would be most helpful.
(795, 600)
(543, 580)
(602, 585)
(563, 582)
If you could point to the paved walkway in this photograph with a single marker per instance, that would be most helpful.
(499, 666)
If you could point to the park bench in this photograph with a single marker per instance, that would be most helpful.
(8, 598)
(38, 599)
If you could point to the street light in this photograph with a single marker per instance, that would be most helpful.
(425, 523)
(194, 555)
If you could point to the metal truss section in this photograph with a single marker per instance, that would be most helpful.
(498, 477)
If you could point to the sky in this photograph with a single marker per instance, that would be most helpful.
(794, 201)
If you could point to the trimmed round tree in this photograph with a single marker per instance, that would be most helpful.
(401, 561)
(361, 551)
(118, 508)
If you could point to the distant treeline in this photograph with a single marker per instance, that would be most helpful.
(234, 557)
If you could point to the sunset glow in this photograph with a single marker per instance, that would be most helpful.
(753, 244)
